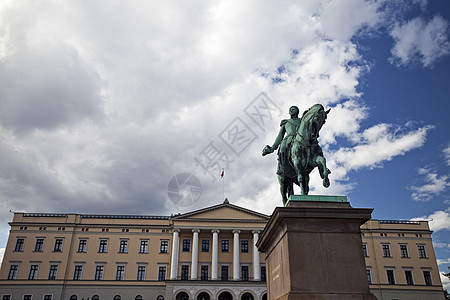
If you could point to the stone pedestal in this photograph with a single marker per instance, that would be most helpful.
(314, 250)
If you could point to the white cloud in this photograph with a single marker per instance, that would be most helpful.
(356, 13)
(443, 261)
(446, 152)
(441, 245)
(438, 220)
(445, 281)
(434, 185)
(378, 144)
(420, 40)
(2, 253)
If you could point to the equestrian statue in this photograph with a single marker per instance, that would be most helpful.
(299, 151)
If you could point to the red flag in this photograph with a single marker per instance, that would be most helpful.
(222, 174)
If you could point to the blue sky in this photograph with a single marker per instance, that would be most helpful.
(103, 104)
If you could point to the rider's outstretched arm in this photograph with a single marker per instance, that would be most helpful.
(278, 139)
(268, 149)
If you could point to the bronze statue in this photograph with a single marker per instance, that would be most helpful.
(299, 151)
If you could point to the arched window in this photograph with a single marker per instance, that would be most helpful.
(160, 297)
(138, 297)
(203, 296)
(73, 297)
(264, 297)
(225, 296)
(182, 296)
(247, 296)
(95, 297)
(117, 297)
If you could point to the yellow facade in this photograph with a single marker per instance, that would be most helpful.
(204, 254)
(400, 260)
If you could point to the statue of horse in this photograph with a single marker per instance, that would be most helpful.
(305, 154)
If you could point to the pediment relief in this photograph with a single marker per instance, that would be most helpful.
(222, 212)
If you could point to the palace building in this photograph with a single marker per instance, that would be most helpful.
(203, 255)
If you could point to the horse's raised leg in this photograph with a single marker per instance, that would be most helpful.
(323, 170)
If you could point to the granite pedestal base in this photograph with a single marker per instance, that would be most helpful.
(314, 251)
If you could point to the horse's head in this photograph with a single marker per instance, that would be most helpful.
(313, 120)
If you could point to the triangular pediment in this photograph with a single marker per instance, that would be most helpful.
(223, 211)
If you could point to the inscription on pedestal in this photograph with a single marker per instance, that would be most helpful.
(276, 273)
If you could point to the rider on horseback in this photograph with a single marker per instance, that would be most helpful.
(299, 151)
(288, 130)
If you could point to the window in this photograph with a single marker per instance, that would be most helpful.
(123, 246)
(6, 297)
(162, 273)
(103, 246)
(27, 297)
(225, 246)
(77, 272)
(404, 251)
(390, 276)
(409, 277)
(138, 297)
(186, 245)
(164, 247)
(52, 272)
(365, 252)
(82, 245)
(117, 297)
(184, 272)
(386, 250)
(263, 273)
(204, 272)
(12, 274)
(160, 297)
(98, 273)
(244, 273)
(143, 248)
(421, 250)
(33, 272)
(73, 297)
(19, 245)
(427, 277)
(39, 246)
(224, 273)
(140, 273)
(205, 245)
(58, 245)
(120, 272)
(369, 275)
(244, 246)
(95, 297)
(48, 297)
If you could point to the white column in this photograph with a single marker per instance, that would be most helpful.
(215, 254)
(236, 255)
(255, 262)
(194, 253)
(175, 249)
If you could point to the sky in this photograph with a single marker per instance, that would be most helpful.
(118, 107)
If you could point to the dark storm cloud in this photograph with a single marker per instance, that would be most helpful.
(46, 87)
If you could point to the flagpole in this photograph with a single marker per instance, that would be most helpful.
(223, 184)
